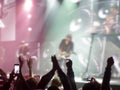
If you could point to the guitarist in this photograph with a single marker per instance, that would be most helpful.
(66, 47)
(65, 50)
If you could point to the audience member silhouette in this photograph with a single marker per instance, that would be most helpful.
(94, 85)
(67, 81)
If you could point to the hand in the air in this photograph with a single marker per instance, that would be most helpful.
(110, 61)
(69, 63)
(55, 62)
(12, 75)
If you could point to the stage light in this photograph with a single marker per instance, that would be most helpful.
(28, 5)
(103, 13)
(29, 16)
(29, 29)
(75, 1)
(75, 25)
(106, 11)
(79, 20)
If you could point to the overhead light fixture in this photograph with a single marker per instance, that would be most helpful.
(75, 1)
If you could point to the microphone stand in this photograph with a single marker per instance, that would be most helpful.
(89, 55)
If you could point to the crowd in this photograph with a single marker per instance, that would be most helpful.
(64, 82)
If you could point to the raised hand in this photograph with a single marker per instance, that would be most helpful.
(69, 63)
(110, 61)
(12, 75)
(55, 62)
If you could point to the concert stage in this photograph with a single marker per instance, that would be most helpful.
(93, 26)
(115, 83)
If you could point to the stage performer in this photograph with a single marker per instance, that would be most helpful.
(24, 54)
(65, 50)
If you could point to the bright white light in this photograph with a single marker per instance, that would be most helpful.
(2, 24)
(106, 11)
(102, 14)
(8, 75)
(28, 5)
(75, 1)
(79, 20)
(29, 16)
(29, 29)
(75, 25)
(119, 37)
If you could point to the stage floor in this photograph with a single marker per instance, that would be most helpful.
(115, 83)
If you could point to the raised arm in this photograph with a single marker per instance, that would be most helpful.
(107, 74)
(46, 79)
(70, 74)
(64, 79)
(21, 83)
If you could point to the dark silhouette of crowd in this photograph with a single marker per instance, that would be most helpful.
(66, 81)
